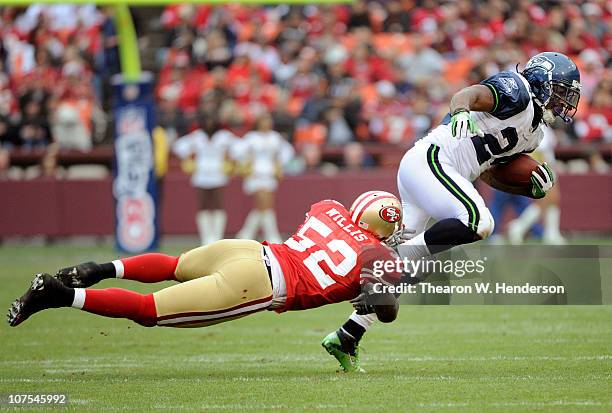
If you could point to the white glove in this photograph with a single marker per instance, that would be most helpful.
(463, 126)
(542, 180)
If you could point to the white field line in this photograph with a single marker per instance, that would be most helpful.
(137, 361)
(311, 407)
(256, 406)
(518, 404)
(493, 358)
(553, 403)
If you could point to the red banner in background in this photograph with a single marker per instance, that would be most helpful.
(77, 207)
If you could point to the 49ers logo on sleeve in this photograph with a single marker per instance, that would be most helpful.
(390, 214)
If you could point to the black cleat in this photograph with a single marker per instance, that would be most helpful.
(81, 276)
(44, 292)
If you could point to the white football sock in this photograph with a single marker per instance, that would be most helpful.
(205, 225)
(119, 270)
(270, 227)
(415, 248)
(518, 228)
(250, 226)
(79, 298)
(365, 320)
(219, 220)
(552, 232)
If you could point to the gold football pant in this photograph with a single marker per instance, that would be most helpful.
(221, 281)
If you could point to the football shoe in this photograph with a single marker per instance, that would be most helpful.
(44, 292)
(347, 355)
(80, 276)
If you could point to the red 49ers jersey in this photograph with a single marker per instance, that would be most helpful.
(328, 257)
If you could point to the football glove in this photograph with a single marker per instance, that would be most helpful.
(463, 126)
(542, 180)
(362, 303)
(399, 237)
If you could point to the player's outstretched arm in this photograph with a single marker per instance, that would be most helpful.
(371, 301)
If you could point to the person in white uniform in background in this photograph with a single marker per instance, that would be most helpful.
(262, 154)
(209, 149)
(547, 207)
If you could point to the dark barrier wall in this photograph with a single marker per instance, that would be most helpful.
(66, 207)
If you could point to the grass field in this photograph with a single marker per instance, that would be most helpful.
(434, 358)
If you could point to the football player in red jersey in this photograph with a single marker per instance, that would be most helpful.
(328, 260)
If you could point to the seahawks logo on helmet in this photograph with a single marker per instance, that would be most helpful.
(541, 61)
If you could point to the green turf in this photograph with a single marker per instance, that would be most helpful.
(449, 359)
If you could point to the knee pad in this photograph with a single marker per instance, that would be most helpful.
(486, 224)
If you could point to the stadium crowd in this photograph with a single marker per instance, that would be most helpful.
(328, 75)
(380, 71)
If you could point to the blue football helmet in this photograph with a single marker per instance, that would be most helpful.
(555, 84)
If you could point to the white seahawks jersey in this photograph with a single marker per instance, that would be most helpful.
(509, 128)
(210, 156)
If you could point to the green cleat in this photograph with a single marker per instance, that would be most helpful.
(348, 358)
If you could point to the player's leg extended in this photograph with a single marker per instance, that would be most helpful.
(238, 285)
(434, 185)
(146, 268)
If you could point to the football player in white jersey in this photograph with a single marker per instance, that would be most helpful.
(262, 153)
(487, 123)
(211, 174)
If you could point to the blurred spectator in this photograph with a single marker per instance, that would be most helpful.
(360, 16)
(34, 129)
(171, 118)
(262, 153)
(596, 123)
(388, 115)
(317, 104)
(312, 156)
(69, 130)
(338, 130)
(354, 157)
(208, 147)
(423, 63)
(398, 16)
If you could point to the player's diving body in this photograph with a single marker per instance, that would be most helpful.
(490, 122)
(328, 260)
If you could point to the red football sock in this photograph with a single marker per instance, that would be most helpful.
(119, 303)
(150, 268)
